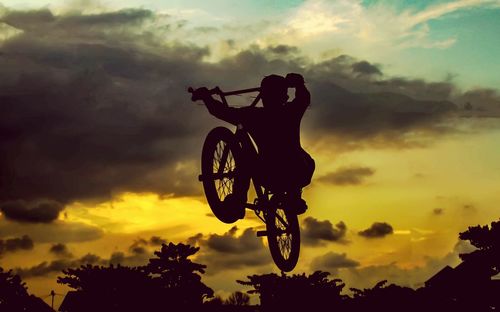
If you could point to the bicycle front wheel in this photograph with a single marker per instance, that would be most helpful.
(222, 174)
(283, 236)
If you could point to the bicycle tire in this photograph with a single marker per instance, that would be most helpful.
(283, 236)
(226, 188)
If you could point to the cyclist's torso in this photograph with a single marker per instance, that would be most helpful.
(276, 132)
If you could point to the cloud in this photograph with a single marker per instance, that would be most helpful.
(96, 104)
(348, 176)
(377, 230)
(365, 68)
(315, 232)
(157, 241)
(55, 232)
(363, 117)
(282, 49)
(438, 211)
(15, 244)
(43, 20)
(229, 251)
(46, 268)
(107, 102)
(332, 261)
(33, 212)
(60, 250)
(480, 102)
(368, 276)
(136, 256)
(140, 245)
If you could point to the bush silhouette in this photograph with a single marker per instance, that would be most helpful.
(171, 281)
(238, 299)
(178, 276)
(298, 291)
(14, 295)
(13, 291)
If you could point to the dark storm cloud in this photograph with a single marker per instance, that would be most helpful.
(369, 116)
(117, 257)
(438, 211)
(230, 243)
(377, 230)
(417, 88)
(348, 176)
(39, 20)
(229, 251)
(315, 232)
(283, 49)
(92, 112)
(134, 257)
(157, 241)
(365, 68)
(332, 261)
(60, 250)
(138, 250)
(15, 244)
(193, 240)
(45, 268)
(43, 211)
(480, 103)
(96, 104)
(140, 245)
(55, 232)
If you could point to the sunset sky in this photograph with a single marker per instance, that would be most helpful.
(100, 144)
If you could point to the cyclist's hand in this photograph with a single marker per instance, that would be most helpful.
(294, 80)
(200, 94)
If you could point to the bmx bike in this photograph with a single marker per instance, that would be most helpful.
(229, 162)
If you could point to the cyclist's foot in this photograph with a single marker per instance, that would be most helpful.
(236, 205)
(296, 203)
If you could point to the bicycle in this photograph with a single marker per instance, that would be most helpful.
(228, 165)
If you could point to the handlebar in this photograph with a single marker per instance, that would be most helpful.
(218, 91)
(223, 95)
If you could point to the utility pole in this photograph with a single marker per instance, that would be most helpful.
(52, 293)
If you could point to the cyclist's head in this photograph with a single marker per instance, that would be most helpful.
(273, 91)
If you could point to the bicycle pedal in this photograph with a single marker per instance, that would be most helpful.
(261, 233)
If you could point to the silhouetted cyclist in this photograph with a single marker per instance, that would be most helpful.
(276, 131)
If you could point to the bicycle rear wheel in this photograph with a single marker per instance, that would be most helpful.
(283, 236)
(222, 174)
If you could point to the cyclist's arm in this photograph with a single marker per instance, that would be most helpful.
(222, 111)
(302, 96)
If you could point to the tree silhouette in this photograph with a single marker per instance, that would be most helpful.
(171, 281)
(468, 286)
(299, 291)
(384, 297)
(178, 275)
(12, 291)
(487, 240)
(119, 288)
(14, 295)
(477, 290)
(238, 299)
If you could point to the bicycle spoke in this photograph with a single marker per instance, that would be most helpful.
(223, 167)
(223, 159)
(283, 236)
(282, 220)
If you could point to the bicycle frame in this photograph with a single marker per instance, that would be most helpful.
(282, 228)
(251, 155)
(251, 159)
